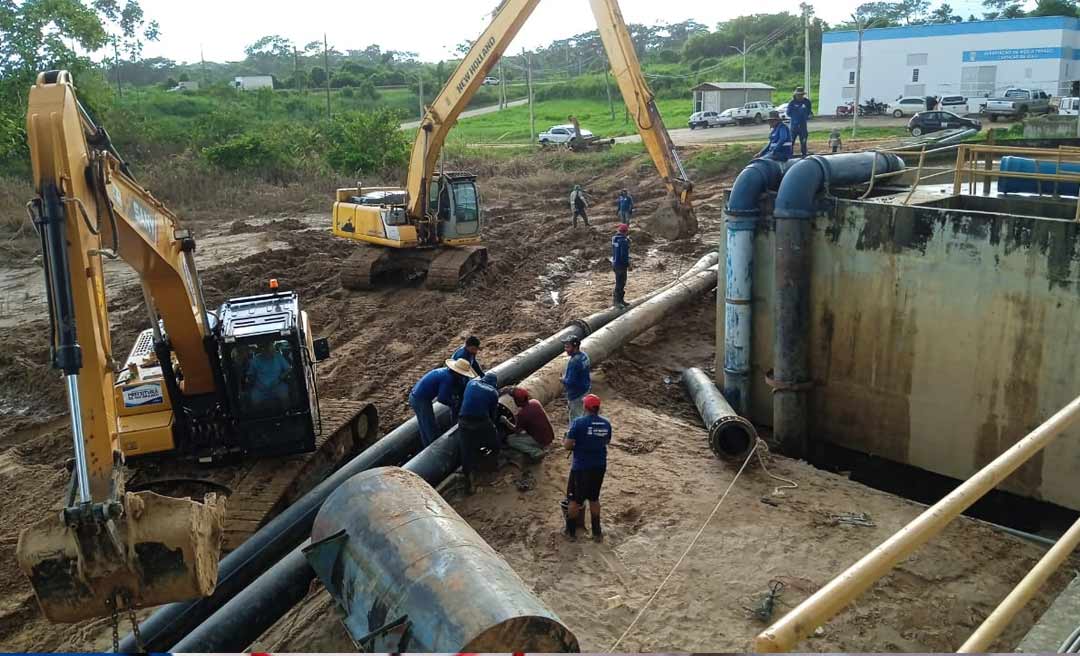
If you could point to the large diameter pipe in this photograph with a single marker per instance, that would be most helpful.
(731, 437)
(410, 574)
(741, 215)
(795, 207)
(546, 384)
(998, 621)
(228, 624)
(821, 606)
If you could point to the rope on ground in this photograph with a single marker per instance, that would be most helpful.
(687, 551)
(777, 491)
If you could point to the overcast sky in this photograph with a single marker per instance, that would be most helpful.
(432, 28)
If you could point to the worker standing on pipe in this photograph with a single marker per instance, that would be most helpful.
(444, 384)
(476, 427)
(576, 379)
(625, 205)
(620, 263)
(532, 429)
(779, 146)
(468, 352)
(799, 111)
(579, 203)
(587, 439)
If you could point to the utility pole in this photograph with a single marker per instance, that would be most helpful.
(607, 87)
(532, 115)
(806, 47)
(861, 25)
(745, 49)
(295, 68)
(202, 60)
(326, 65)
(502, 86)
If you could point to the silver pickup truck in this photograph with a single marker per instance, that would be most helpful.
(1017, 103)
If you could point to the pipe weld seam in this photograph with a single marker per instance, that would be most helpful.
(738, 301)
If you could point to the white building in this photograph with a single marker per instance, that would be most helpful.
(251, 82)
(977, 58)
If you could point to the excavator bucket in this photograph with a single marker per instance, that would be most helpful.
(155, 550)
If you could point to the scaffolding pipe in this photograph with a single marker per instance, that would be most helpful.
(228, 622)
(730, 436)
(821, 606)
(998, 621)
(546, 384)
(741, 215)
(795, 208)
(410, 574)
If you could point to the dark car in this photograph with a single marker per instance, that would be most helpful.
(926, 122)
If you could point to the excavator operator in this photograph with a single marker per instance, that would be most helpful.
(268, 380)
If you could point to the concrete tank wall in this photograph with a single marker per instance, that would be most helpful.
(939, 336)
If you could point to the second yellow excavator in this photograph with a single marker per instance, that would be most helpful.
(435, 222)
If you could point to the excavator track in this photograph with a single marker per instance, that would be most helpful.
(360, 268)
(260, 488)
(453, 265)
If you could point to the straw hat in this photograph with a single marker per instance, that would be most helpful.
(461, 367)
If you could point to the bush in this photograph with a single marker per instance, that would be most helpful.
(366, 143)
(255, 152)
(347, 92)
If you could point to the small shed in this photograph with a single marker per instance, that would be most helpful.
(718, 96)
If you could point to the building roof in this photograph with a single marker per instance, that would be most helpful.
(952, 29)
(732, 86)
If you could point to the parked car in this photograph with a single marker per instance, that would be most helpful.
(1017, 103)
(490, 81)
(559, 134)
(926, 122)
(957, 104)
(756, 112)
(727, 117)
(907, 106)
(703, 120)
(1069, 106)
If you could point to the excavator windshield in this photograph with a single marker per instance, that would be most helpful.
(456, 202)
(265, 378)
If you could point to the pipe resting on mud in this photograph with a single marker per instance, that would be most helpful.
(741, 214)
(795, 207)
(731, 437)
(228, 624)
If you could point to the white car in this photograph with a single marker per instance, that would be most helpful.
(783, 111)
(907, 106)
(727, 117)
(490, 81)
(703, 120)
(752, 112)
(559, 134)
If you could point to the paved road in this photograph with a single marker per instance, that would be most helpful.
(688, 137)
(479, 111)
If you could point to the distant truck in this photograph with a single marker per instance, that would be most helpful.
(252, 82)
(752, 112)
(1017, 103)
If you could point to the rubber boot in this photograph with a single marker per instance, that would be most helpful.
(571, 528)
(597, 533)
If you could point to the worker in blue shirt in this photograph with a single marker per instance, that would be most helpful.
(799, 110)
(625, 205)
(444, 384)
(576, 380)
(588, 439)
(468, 352)
(620, 263)
(476, 426)
(268, 379)
(779, 146)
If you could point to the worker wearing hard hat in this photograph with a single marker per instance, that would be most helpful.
(779, 146)
(587, 439)
(620, 263)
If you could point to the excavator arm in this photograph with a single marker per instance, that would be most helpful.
(509, 17)
(108, 548)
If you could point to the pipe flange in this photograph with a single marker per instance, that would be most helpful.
(784, 386)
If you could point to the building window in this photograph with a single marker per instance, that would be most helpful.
(851, 62)
(914, 75)
(916, 59)
(851, 77)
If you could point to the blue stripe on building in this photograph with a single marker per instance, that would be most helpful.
(953, 29)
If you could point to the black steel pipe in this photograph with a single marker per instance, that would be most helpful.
(795, 207)
(169, 624)
(731, 437)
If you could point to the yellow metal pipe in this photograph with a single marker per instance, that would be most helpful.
(821, 606)
(999, 620)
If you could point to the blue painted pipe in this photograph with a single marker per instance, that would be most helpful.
(741, 215)
(1029, 186)
(795, 206)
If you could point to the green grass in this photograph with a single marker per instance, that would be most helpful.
(512, 125)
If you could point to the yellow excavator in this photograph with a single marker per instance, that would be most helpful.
(435, 222)
(198, 383)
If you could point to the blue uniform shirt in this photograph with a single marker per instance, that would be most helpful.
(441, 384)
(626, 204)
(266, 374)
(576, 378)
(620, 251)
(591, 435)
(463, 354)
(779, 146)
(799, 111)
(481, 400)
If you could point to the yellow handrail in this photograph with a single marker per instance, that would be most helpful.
(821, 606)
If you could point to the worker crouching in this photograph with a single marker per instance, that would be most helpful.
(587, 439)
(476, 426)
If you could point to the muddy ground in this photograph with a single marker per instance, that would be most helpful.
(663, 481)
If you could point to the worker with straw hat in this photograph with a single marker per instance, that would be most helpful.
(445, 384)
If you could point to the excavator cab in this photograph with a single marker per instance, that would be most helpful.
(455, 200)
